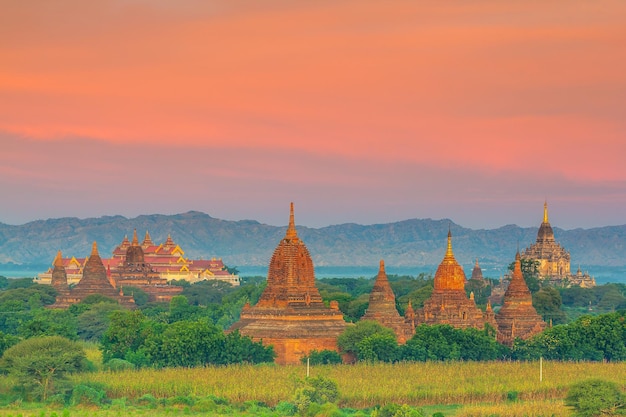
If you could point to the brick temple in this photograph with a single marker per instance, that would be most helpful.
(517, 318)
(382, 307)
(95, 280)
(448, 304)
(290, 314)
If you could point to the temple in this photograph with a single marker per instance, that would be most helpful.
(517, 318)
(448, 304)
(134, 271)
(95, 280)
(290, 314)
(382, 307)
(167, 260)
(554, 260)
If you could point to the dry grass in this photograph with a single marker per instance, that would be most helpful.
(467, 383)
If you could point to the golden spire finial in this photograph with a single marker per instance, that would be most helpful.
(381, 267)
(94, 249)
(545, 211)
(477, 262)
(135, 240)
(58, 261)
(489, 308)
(291, 229)
(449, 248)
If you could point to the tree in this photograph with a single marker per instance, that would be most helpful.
(349, 340)
(379, 347)
(125, 335)
(41, 364)
(322, 357)
(595, 397)
(6, 341)
(547, 302)
(93, 323)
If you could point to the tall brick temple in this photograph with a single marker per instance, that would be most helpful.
(382, 307)
(448, 304)
(290, 314)
(517, 318)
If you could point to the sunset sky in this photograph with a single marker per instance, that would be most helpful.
(357, 111)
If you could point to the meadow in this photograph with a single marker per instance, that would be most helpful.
(452, 388)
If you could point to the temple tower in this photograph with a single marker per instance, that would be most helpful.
(448, 304)
(290, 314)
(517, 318)
(382, 307)
(59, 276)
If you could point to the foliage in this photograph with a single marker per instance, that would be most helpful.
(322, 357)
(42, 364)
(444, 342)
(93, 322)
(349, 340)
(6, 341)
(596, 397)
(318, 390)
(378, 347)
(547, 302)
(395, 410)
(125, 335)
(594, 338)
(46, 322)
(140, 296)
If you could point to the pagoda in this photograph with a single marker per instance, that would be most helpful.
(136, 272)
(290, 314)
(95, 280)
(448, 304)
(382, 307)
(517, 318)
(554, 260)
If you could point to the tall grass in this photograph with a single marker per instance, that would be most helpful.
(363, 385)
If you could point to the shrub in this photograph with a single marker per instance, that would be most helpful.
(595, 397)
(116, 364)
(322, 357)
(87, 395)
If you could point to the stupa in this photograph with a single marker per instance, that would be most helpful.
(290, 314)
(382, 307)
(517, 318)
(136, 272)
(94, 281)
(448, 304)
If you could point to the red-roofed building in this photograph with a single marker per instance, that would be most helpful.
(167, 259)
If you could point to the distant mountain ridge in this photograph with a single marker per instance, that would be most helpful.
(414, 242)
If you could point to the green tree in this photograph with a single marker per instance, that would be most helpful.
(125, 335)
(349, 340)
(140, 296)
(92, 324)
(547, 302)
(42, 364)
(6, 341)
(322, 357)
(596, 398)
(379, 347)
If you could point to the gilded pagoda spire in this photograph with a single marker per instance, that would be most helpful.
(545, 212)
(135, 239)
(291, 234)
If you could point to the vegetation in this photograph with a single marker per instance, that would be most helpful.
(596, 397)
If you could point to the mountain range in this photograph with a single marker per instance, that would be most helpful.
(408, 243)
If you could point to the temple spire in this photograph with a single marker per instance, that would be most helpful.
(291, 229)
(382, 275)
(58, 261)
(449, 252)
(94, 249)
(135, 239)
(545, 212)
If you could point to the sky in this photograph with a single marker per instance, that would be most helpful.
(357, 111)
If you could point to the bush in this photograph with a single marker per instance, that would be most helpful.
(322, 357)
(318, 390)
(116, 364)
(595, 397)
(88, 395)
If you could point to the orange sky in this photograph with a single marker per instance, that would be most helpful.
(363, 111)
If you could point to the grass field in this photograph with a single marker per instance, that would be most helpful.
(461, 389)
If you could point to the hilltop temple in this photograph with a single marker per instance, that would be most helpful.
(290, 314)
(95, 280)
(167, 260)
(554, 260)
(517, 318)
(448, 304)
(382, 307)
